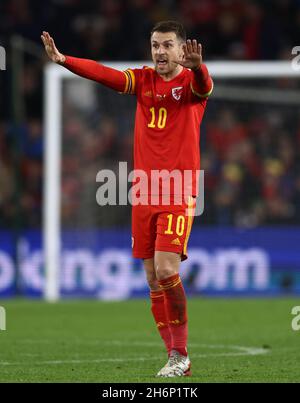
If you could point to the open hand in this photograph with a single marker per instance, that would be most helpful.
(192, 55)
(51, 49)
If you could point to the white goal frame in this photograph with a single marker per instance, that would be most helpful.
(53, 78)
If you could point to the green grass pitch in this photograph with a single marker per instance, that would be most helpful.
(231, 340)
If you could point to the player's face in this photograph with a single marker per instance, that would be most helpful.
(165, 48)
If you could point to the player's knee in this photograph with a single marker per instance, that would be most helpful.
(165, 270)
(166, 264)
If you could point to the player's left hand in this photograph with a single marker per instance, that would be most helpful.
(192, 55)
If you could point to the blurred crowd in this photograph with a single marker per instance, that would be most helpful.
(251, 164)
(119, 29)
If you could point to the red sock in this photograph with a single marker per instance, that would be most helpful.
(175, 303)
(160, 317)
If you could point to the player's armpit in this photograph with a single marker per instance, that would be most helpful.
(112, 78)
(201, 84)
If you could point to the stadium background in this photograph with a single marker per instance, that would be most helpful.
(249, 231)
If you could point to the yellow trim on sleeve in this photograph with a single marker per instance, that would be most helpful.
(203, 95)
(127, 82)
(132, 81)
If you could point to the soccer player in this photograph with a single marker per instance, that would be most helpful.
(171, 99)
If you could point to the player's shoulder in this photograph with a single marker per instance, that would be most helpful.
(147, 70)
(187, 72)
(135, 77)
(142, 71)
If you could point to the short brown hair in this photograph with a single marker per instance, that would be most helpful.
(170, 26)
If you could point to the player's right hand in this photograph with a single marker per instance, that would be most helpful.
(51, 49)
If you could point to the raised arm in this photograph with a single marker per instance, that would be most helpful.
(202, 84)
(51, 50)
(112, 78)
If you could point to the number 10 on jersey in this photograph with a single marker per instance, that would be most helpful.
(158, 119)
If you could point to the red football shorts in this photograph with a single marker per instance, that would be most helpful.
(161, 228)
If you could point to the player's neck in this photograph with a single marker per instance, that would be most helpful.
(173, 74)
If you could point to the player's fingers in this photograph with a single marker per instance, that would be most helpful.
(189, 46)
(200, 49)
(52, 44)
(195, 47)
(48, 38)
(46, 42)
(185, 51)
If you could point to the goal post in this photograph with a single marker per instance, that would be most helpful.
(52, 167)
(54, 78)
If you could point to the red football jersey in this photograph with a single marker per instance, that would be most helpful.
(168, 116)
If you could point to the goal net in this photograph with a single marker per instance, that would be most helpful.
(247, 134)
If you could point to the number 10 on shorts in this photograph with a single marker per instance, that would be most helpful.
(180, 225)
